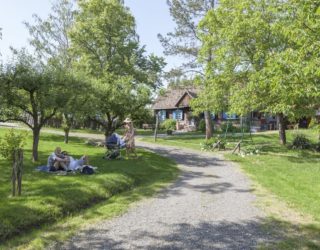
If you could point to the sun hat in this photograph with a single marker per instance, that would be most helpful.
(127, 120)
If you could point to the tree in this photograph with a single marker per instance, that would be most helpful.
(51, 41)
(258, 63)
(184, 41)
(107, 49)
(50, 37)
(31, 93)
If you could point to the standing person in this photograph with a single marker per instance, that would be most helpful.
(129, 137)
(57, 161)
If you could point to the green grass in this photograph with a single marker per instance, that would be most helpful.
(184, 140)
(293, 175)
(50, 199)
(142, 132)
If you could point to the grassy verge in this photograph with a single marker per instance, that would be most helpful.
(51, 201)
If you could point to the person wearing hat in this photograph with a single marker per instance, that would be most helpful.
(129, 137)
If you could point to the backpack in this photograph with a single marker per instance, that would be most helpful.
(87, 170)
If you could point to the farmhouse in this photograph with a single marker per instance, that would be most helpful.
(175, 104)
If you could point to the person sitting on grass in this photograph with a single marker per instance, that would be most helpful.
(58, 161)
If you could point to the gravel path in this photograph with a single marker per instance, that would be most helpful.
(210, 206)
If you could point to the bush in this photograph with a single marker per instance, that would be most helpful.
(300, 141)
(314, 124)
(168, 124)
(233, 129)
(208, 145)
(11, 142)
(202, 126)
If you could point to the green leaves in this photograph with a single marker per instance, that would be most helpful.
(265, 56)
(107, 49)
(12, 141)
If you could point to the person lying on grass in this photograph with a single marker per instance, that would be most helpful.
(76, 164)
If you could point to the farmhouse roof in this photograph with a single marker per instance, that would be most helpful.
(172, 97)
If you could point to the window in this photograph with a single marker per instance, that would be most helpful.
(177, 114)
(162, 115)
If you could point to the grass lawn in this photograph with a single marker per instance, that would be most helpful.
(49, 201)
(185, 140)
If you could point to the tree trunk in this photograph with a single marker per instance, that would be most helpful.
(107, 132)
(282, 129)
(66, 135)
(207, 118)
(93, 125)
(36, 137)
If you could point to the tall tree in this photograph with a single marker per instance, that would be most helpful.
(49, 37)
(31, 93)
(107, 48)
(258, 64)
(184, 41)
(51, 40)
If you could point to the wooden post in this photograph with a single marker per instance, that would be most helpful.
(156, 128)
(238, 146)
(217, 144)
(14, 175)
(17, 171)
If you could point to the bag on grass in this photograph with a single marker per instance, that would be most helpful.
(87, 170)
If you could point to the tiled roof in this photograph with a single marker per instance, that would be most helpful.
(172, 96)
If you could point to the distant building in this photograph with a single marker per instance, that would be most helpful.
(175, 104)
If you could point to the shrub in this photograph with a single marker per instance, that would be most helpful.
(300, 141)
(249, 150)
(11, 142)
(208, 145)
(168, 124)
(202, 126)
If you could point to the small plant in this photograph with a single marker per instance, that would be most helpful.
(250, 150)
(11, 147)
(169, 124)
(213, 143)
(10, 142)
(300, 141)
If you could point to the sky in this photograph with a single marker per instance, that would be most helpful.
(152, 17)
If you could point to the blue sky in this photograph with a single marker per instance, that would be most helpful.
(152, 17)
